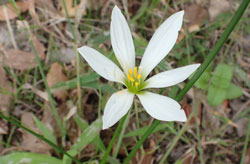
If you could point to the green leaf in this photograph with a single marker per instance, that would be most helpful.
(85, 80)
(47, 133)
(233, 92)
(141, 131)
(220, 83)
(28, 158)
(81, 123)
(87, 136)
(222, 76)
(203, 81)
(216, 95)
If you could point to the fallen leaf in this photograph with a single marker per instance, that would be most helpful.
(195, 15)
(66, 55)
(5, 91)
(18, 59)
(54, 76)
(3, 127)
(246, 43)
(38, 92)
(241, 126)
(247, 157)
(73, 11)
(148, 156)
(217, 7)
(5, 39)
(23, 25)
(189, 156)
(29, 141)
(38, 46)
(13, 10)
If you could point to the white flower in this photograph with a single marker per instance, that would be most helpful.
(134, 78)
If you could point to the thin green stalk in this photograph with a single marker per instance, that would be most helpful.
(198, 124)
(118, 145)
(196, 76)
(14, 121)
(59, 121)
(111, 143)
(242, 161)
(176, 139)
(73, 30)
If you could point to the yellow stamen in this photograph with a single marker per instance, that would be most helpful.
(135, 71)
(138, 76)
(130, 78)
(136, 84)
(130, 71)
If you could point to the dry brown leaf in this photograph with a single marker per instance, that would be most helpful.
(29, 141)
(217, 7)
(195, 15)
(54, 76)
(148, 156)
(241, 126)
(43, 95)
(14, 10)
(245, 41)
(73, 11)
(39, 47)
(18, 59)
(3, 127)
(189, 156)
(247, 157)
(5, 91)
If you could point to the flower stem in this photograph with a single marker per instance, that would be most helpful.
(196, 76)
(119, 142)
(111, 143)
(16, 122)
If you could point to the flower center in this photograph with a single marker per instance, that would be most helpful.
(134, 81)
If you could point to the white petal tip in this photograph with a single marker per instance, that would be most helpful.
(181, 12)
(104, 124)
(197, 65)
(80, 49)
(116, 9)
(183, 117)
(104, 127)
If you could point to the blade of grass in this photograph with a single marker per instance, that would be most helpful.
(47, 133)
(73, 30)
(53, 103)
(16, 122)
(115, 135)
(87, 136)
(121, 135)
(246, 143)
(195, 77)
(20, 157)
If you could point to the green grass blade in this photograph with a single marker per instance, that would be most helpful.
(47, 133)
(196, 76)
(19, 124)
(87, 136)
(85, 80)
(111, 143)
(23, 157)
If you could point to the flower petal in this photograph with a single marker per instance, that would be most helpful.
(171, 77)
(162, 107)
(161, 42)
(121, 40)
(116, 107)
(101, 64)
